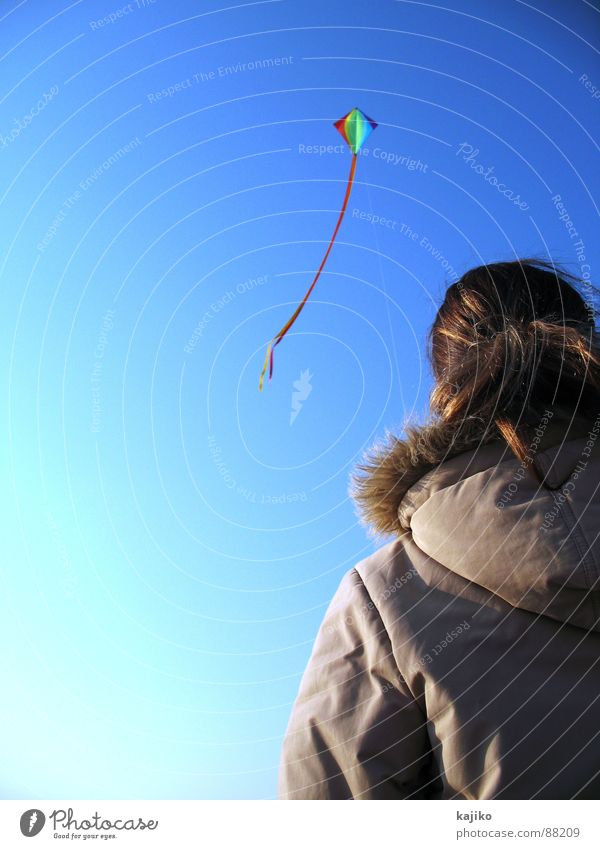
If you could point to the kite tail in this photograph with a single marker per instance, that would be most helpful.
(277, 339)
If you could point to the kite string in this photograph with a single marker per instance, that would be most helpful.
(288, 324)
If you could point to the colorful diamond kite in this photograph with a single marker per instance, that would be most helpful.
(355, 127)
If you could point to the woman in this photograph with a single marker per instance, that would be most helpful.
(462, 659)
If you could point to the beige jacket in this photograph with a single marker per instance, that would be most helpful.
(462, 660)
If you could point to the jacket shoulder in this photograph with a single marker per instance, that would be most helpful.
(385, 571)
(355, 730)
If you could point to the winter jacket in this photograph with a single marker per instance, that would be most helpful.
(462, 659)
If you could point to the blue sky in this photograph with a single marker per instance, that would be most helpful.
(170, 180)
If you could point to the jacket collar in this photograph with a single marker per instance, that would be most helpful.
(396, 474)
(480, 514)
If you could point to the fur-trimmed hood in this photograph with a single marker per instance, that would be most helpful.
(393, 466)
(470, 504)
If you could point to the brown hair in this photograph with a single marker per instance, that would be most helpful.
(510, 341)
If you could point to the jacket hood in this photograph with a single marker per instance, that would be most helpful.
(469, 503)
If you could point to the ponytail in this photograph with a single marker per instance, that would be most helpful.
(511, 341)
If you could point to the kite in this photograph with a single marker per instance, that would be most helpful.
(355, 127)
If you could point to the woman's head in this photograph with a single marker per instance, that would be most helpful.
(511, 340)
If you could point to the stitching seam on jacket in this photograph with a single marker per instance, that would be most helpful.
(389, 641)
(588, 561)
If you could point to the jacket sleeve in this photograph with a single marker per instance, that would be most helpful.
(355, 731)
